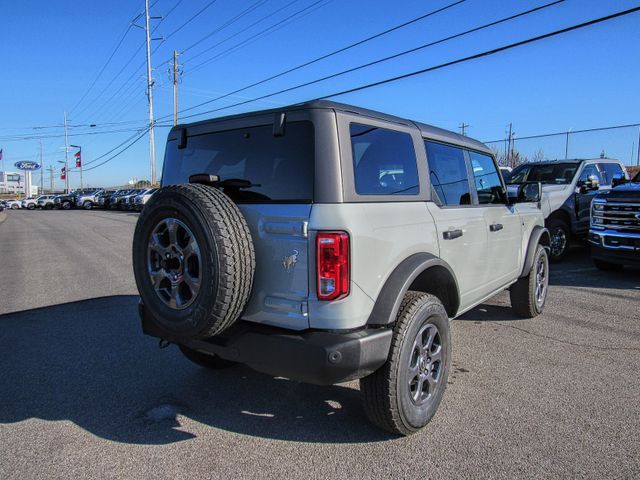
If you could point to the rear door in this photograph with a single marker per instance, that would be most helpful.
(277, 206)
(462, 232)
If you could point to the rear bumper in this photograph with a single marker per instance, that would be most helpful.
(312, 356)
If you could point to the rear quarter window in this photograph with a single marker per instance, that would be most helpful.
(280, 167)
(384, 161)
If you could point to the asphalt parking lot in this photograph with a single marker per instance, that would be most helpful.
(83, 394)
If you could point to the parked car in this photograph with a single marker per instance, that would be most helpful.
(615, 225)
(143, 197)
(127, 201)
(568, 186)
(278, 264)
(65, 201)
(12, 204)
(116, 198)
(29, 203)
(46, 202)
(102, 198)
(87, 199)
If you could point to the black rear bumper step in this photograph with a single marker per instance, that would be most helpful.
(311, 356)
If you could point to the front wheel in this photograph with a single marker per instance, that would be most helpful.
(15, 207)
(31, 206)
(66, 206)
(404, 394)
(559, 239)
(88, 205)
(529, 294)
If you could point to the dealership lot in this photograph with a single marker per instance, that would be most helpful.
(84, 393)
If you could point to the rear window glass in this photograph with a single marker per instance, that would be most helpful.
(384, 161)
(281, 168)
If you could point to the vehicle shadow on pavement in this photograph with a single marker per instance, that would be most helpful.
(88, 362)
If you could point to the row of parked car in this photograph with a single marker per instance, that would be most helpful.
(125, 199)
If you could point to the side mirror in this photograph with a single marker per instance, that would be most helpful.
(618, 179)
(591, 183)
(528, 192)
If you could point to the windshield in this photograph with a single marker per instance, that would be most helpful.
(552, 173)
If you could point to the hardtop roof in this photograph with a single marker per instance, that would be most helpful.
(425, 129)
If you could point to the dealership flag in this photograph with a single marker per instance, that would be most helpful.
(78, 160)
(0, 154)
(63, 173)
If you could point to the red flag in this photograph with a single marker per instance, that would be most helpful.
(78, 160)
(63, 173)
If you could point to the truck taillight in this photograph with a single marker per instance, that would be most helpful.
(332, 250)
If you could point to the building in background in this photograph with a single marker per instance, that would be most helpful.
(13, 183)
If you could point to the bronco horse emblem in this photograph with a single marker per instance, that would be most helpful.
(289, 262)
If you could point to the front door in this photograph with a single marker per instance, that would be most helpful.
(502, 222)
(584, 197)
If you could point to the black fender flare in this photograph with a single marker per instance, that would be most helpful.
(392, 293)
(539, 235)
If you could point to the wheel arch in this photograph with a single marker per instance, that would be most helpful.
(539, 236)
(563, 215)
(421, 272)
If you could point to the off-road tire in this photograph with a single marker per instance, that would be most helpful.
(557, 226)
(88, 205)
(385, 394)
(607, 266)
(227, 259)
(31, 206)
(66, 206)
(523, 293)
(213, 362)
(15, 207)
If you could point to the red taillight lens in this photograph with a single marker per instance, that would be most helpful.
(332, 250)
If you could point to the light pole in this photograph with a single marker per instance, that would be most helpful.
(78, 157)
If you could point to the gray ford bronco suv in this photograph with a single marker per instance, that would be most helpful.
(324, 243)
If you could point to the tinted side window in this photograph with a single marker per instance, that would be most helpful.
(487, 179)
(588, 171)
(448, 173)
(610, 170)
(384, 161)
(280, 167)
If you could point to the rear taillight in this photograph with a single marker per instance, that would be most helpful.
(332, 249)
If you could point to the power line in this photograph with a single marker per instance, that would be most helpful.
(246, 11)
(376, 61)
(193, 17)
(136, 140)
(304, 11)
(486, 53)
(555, 134)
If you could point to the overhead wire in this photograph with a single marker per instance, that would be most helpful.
(437, 67)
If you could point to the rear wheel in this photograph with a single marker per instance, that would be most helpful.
(205, 360)
(31, 206)
(607, 266)
(559, 234)
(404, 394)
(529, 294)
(66, 205)
(15, 206)
(88, 205)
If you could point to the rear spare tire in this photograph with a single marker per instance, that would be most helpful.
(193, 260)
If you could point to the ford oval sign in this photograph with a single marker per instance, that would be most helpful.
(27, 165)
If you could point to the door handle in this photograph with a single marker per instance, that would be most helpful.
(451, 234)
(495, 227)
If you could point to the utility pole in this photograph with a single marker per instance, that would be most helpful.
(566, 146)
(508, 154)
(41, 170)
(66, 156)
(638, 161)
(175, 88)
(152, 149)
(50, 170)
(463, 128)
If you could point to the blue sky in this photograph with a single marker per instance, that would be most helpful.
(52, 52)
